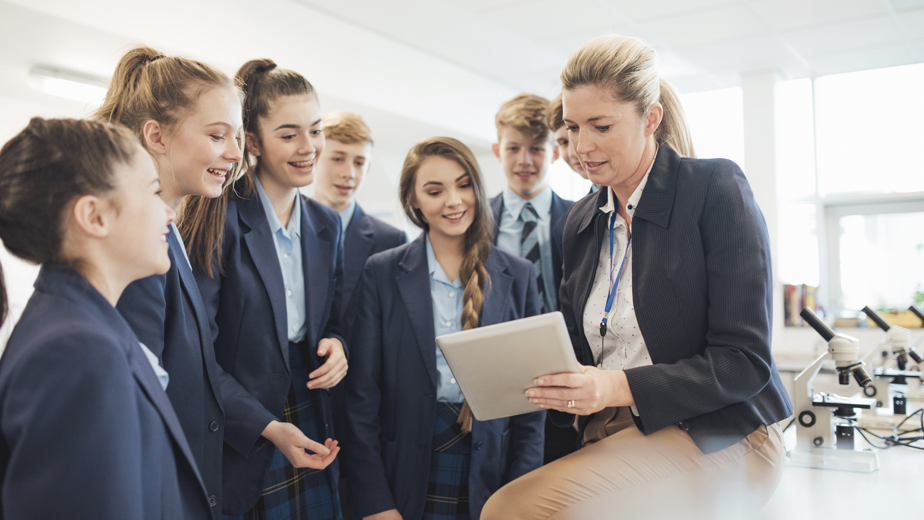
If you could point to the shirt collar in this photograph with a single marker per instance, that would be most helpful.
(632, 203)
(295, 221)
(347, 214)
(542, 202)
(436, 270)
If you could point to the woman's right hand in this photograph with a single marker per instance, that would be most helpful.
(391, 514)
(293, 443)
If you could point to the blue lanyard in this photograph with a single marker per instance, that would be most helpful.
(612, 295)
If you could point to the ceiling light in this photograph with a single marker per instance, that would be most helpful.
(68, 84)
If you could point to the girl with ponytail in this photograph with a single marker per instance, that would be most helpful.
(187, 115)
(86, 430)
(272, 293)
(415, 451)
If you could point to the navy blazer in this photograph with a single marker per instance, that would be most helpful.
(167, 315)
(560, 209)
(703, 293)
(246, 309)
(391, 387)
(87, 430)
(365, 236)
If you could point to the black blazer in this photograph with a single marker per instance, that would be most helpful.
(560, 208)
(167, 315)
(87, 430)
(703, 293)
(364, 237)
(246, 310)
(391, 387)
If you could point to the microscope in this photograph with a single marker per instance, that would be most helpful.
(897, 347)
(824, 428)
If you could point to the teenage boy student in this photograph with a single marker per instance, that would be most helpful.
(529, 217)
(340, 172)
(553, 118)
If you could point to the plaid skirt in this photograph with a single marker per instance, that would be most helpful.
(297, 493)
(450, 464)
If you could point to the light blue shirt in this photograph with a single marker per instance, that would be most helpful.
(162, 376)
(345, 217)
(289, 252)
(511, 230)
(447, 318)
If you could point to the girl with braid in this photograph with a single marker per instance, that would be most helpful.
(413, 448)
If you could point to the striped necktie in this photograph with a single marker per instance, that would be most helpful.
(529, 247)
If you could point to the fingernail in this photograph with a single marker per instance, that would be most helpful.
(534, 401)
(310, 387)
(540, 405)
(529, 393)
(540, 381)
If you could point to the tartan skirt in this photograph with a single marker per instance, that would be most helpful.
(291, 493)
(450, 464)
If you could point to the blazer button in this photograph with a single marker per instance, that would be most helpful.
(479, 444)
(683, 426)
(213, 500)
(213, 426)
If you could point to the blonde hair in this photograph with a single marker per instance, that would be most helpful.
(477, 238)
(347, 128)
(526, 114)
(626, 66)
(554, 114)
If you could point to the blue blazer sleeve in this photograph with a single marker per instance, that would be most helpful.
(94, 467)
(363, 453)
(736, 363)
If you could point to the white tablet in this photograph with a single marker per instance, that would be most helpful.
(495, 365)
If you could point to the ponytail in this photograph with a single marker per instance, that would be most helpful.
(201, 220)
(473, 275)
(673, 129)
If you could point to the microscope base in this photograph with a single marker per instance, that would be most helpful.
(831, 458)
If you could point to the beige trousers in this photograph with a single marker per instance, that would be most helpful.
(622, 473)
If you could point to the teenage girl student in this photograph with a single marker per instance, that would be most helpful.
(188, 117)
(272, 291)
(415, 452)
(86, 430)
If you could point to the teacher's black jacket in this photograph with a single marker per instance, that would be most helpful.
(703, 294)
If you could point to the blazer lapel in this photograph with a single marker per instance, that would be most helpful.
(496, 290)
(657, 200)
(317, 274)
(259, 241)
(497, 208)
(358, 243)
(414, 286)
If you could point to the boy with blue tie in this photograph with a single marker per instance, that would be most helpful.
(529, 217)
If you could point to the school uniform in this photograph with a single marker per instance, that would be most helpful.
(404, 448)
(277, 297)
(546, 214)
(167, 314)
(87, 430)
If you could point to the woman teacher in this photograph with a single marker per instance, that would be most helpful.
(667, 294)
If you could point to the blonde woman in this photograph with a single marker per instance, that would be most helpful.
(667, 294)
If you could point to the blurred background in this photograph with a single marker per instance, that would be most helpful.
(819, 101)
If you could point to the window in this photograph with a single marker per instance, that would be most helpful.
(716, 120)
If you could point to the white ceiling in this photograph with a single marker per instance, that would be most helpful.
(704, 44)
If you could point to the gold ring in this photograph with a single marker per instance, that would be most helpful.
(571, 403)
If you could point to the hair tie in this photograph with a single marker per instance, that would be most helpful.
(155, 58)
(266, 68)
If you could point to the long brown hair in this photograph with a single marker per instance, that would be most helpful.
(200, 220)
(477, 238)
(626, 66)
(42, 170)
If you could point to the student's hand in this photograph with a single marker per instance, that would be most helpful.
(334, 369)
(591, 391)
(293, 443)
(391, 514)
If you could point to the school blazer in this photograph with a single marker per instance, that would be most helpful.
(168, 316)
(87, 430)
(391, 387)
(246, 309)
(703, 293)
(560, 208)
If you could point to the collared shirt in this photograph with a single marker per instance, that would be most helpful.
(510, 232)
(447, 318)
(623, 347)
(289, 252)
(179, 238)
(162, 376)
(345, 217)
